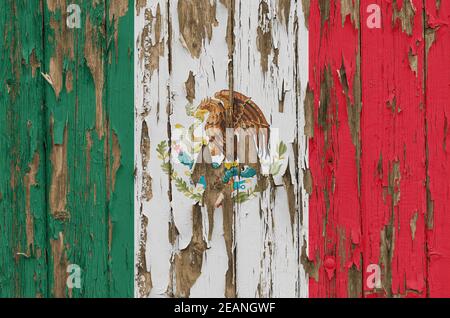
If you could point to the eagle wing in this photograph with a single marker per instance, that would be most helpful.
(246, 114)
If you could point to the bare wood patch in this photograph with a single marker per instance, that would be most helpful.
(117, 10)
(309, 113)
(188, 262)
(264, 35)
(190, 87)
(93, 53)
(144, 277)
(117, 156)
(34, 63)
(29, 180)
(152, 49)
(59, 266)
(405, 15)
(140, 4)
(196, 19)
(59, 179)
(64, 45)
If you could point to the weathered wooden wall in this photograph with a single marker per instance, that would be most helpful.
(66, 193)
(354, 176)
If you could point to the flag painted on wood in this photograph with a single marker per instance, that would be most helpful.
(224, 148)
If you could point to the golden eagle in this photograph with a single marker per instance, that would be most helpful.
(242, 115)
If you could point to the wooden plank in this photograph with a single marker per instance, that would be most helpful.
(152, 184)
(87, 180)
(180, 61)
(393, 158)
(267, 236)
(119, 102)
(199, 51)
(23, 265)
(437, 114)
(333, 108)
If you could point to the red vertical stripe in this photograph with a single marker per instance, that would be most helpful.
(438, 115)
(393, 148)
(334, 226)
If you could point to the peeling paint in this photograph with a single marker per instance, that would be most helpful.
(310, 267)
(152, 48)
(324, 7)
(430, 38)
(264, 37)
(288, 183)
(145, 153)
(24, 270)
(350, 8)
(59, 266)
(308, 181)
(196, 19)
(284, 10)
(64, 45)
(188, 262)
(325, 96)
(306, 7)
(228, 224)
(117, 9)
(355, 283)
(190, 87)
(34, 63)
(140, 4)
(406, 15)
(93, 52)
(29, 180)
(394, 183)
(413, 225)
(144, 276)
(58, 165)
(59, 180)
(69, 81)
(309, 113)
(412, 58)
(386, 255)
(117, 157)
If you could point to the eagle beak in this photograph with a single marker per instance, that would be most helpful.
(200, 114)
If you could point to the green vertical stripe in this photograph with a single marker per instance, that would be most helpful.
(66, 148)
(90, 170)
(120, 101)
(23, 268)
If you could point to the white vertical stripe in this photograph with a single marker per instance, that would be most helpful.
(268, 247)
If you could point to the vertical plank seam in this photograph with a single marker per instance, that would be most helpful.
(45, 141)
(231, 53)
(427, 162)
(106, 47)
(169, 110)
(359, 155)
(299, 207)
